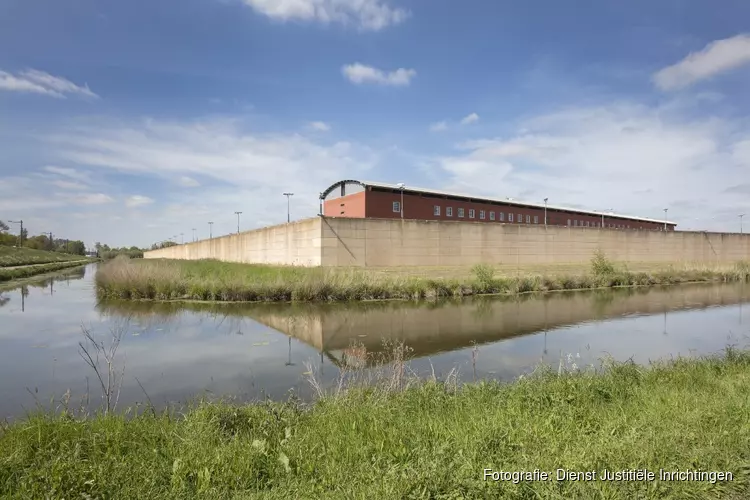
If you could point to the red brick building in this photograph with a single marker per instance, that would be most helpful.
(359, 199)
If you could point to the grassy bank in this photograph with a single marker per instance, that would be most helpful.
(396, 440)
(28, 271)
(12, 256)
(224, 281)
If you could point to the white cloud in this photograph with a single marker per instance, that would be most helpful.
(359, 74)
(72, 185)
(469, 119)
(39, 82)
(137, 200)
(68, 172)
(438, 126)
(717, 57)
(633, 158)
(367, 15)
(238, 170)
(186, 181)
(91, 199)
(320, 126)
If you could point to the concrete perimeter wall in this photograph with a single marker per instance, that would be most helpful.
(297, 243)
(394, 243)
(332, 242)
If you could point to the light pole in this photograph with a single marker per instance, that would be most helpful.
(182, 238)
(610, 210)
(210, 230)
(20, 233)
(741, 216)
(238, 222)
(288, 195)
(665, 218)
(193, 234)
(401, 186)
(545, 212)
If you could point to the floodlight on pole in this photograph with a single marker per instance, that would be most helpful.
(665, 218)
(288, 195)
(210, 230)
(401, 186)
(238, 221)
(545, 212)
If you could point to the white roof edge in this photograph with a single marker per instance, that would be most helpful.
(513, 202)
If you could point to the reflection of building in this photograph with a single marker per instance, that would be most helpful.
(358, 199)
(338, 328)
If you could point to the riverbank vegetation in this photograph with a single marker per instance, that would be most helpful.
(224, 281)
(396, 437)
(7, 274)
(13, 256)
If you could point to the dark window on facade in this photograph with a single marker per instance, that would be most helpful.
(449, 211)
(436, 210)
(397, 207)
(471, 213)
(460, 212)
(536, 219)
(481, 214)
(510, 217)
(501, 215)
(492, 215)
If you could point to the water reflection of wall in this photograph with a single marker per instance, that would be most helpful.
(433, 327)
(457, 324)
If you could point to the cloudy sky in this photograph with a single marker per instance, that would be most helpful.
(131, 122)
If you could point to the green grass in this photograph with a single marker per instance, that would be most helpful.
(28, 271)
(223, 281)
(12, 256)
(404, 439)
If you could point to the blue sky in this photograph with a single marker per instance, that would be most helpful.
(132, 122)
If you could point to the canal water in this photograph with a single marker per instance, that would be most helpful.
(177, 352)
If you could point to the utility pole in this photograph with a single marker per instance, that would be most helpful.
(665, 218)
(545, 212)
(193, 234)
(288, 195)
(210, 230)
(741, 216)
(238, 222)
(51, 244)
(182, 238)
(401, 186)
(20, 234)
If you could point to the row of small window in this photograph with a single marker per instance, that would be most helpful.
(472, 214)
(501, 217)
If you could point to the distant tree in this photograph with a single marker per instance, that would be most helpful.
(3, 227)
(163, 244)
(76, 247)
(40, 242)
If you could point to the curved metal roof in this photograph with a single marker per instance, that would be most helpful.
(333, 186)
(517, 203)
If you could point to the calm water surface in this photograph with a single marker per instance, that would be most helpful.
(178, 352)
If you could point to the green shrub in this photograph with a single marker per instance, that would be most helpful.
(600, 265)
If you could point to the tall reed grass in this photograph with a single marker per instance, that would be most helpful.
(222, 281)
